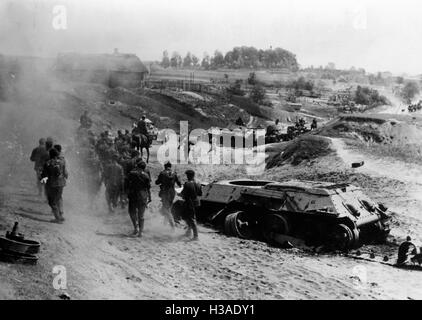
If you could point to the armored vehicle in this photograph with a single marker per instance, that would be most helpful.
(339, 216)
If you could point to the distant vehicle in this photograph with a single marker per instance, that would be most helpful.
(273, 136)
(338, 216)
(152, 130)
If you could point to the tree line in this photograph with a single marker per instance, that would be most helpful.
(239, 57)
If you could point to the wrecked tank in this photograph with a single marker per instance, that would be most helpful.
(338, 216)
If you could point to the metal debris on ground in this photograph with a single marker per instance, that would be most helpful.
(358, 164)
(14, 248)
(64, 296)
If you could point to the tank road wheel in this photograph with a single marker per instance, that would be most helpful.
(237, 224)
(274, 227)
(343, 238)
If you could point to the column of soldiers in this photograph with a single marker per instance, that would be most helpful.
(117, 164)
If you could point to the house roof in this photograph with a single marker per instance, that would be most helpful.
(110, 62)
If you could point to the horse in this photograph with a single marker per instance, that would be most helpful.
(142, 142)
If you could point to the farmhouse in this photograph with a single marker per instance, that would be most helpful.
(113, 70)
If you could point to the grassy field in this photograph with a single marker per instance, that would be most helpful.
(158, 73)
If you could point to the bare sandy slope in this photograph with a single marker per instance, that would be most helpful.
(410, 174)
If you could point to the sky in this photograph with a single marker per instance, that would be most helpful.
(378, 35)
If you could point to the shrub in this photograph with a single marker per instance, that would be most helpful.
(257, 94)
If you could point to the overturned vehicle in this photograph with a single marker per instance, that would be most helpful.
(338, 216)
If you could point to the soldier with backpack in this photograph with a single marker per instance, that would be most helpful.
(54, 175)
(138, 191)
(167, 179)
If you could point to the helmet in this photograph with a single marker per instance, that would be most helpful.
(190, 173)
(141, 164)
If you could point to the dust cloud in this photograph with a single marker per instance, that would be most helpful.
(32, 107)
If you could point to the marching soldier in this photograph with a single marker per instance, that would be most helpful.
(167, 179)
(113, 178)
(59, 148)
(92, 175)
(39, 156)
(139, 195)
(191, 193)
(54, 175)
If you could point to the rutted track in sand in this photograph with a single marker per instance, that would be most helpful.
(393, 169)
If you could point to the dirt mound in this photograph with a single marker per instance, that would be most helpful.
(251, 107)
(378, 129)
(307, 147)
(202, 114)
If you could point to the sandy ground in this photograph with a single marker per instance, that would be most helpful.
(103, 262)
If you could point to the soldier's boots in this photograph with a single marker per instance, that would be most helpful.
(141, 228)
(170, 219)
(188, 233)
(135, 232)
(195, 232)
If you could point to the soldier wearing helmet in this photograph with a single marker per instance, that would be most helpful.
(139, 195)
(39, 156)
(113, 178)
(167, 179)
(191, 193)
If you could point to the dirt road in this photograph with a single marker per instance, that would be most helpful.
(394, 169)
(103, 262)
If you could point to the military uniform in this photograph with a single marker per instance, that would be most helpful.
(167, 180)
(56, 172)
(138, 191)
(104, 148)
(127, 137)
(39, 156)
(113, 180)
(93, 174)
(128, 165)
(190, 193)
(142, 127)
(120, 143)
